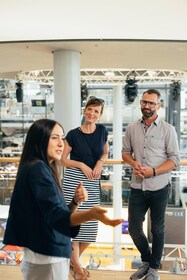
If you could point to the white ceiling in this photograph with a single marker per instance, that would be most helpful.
(120, 34)
(172, 55)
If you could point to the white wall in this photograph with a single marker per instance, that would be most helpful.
(97, 19)
(106, 233)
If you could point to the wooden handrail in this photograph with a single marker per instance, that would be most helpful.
(9, 159)
(116, 161)
(109, 161)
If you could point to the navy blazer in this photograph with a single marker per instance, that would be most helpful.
(39, 218)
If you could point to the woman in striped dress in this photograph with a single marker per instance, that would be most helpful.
(86, 149)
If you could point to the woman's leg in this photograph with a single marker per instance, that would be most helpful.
(75, 257)
(78, 249)
(82, 247)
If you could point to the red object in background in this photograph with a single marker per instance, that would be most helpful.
(11, 248)
(5, 254)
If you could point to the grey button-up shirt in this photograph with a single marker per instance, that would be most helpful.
(151, 147)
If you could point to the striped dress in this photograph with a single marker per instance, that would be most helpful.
(86, 148)
(72, 176)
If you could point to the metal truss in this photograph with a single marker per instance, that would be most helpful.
(120, 76)
(110, 76)
(43, 77)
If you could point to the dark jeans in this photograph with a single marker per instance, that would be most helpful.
(139, 203)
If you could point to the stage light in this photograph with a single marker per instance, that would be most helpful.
(175, 89)
(131, 90)
(84, 94)
(19, 92)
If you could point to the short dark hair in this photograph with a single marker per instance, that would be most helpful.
(93, 100)
(152, 91)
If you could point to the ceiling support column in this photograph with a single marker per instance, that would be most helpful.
(67, 102)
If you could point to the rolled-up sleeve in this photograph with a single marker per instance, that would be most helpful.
(172, 147)
(126, 148)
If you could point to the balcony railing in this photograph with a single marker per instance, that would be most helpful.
(121, 249)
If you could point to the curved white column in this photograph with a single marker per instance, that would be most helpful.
(67, 103)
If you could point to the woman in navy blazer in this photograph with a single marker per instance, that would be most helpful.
(39, 219)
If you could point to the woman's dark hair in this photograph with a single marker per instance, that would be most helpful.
(36, 144)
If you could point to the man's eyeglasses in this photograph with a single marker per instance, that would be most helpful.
(149, 103)
(100, 100)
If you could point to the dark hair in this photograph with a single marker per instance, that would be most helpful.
(93, 100)
(36, 144)
(153, 91)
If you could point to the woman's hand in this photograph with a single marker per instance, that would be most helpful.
(96, 213)
(81, 194)
(88, 172)
(100, 214)
(97, 170)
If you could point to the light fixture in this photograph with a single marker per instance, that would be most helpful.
(131, 89)
(84, 94)
(175, 89)
(19, 91)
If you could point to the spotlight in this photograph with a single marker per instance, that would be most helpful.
(175, 89)
(131, 89)
(84, 94)
(19, 92)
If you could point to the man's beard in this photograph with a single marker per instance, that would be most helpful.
(147, 113)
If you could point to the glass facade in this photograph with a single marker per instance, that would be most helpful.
(16, 116)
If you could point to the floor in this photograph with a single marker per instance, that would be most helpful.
(14, 273)
(101, 265)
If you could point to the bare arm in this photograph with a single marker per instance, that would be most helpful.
(80, 196)
(104, 157)
(136, 165)
(129, 160)
(95, 212)
(98, 166)
(168, 165)
(66, 162)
